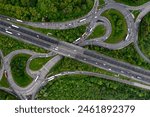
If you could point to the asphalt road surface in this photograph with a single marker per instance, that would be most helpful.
(76, 51)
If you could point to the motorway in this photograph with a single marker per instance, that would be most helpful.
(71, 51)
(74, 50)
(94, 18)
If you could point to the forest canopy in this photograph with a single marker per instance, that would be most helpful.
(45, 10)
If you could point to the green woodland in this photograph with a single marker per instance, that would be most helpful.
(84, 87)
(45, 10)
(37, 63)
(99, 31)
(18, 70)
(73, 86)
(133, 2)
(6, 96)
(119, 26)
(144, 40)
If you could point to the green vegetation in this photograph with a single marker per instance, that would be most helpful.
(99, 31)
(68, 35)
(101, 3)
(0, 62)
(133, 2)
(144, 35)
(37, 63)
(84, 87)
(13, 44)
(136, 13)
(76, 86)
(119, 26)
(8, 44)
(6, 96)
(67, 64)
(19, 74)
(3, 82)
(45, 10)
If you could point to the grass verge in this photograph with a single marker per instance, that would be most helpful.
(6, 96)
(119, 26)
(37, 63)
(99, 31)
(144, 35)
(18, 65)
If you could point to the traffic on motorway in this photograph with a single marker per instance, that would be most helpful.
(75, 50)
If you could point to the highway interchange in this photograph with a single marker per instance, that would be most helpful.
(58, 49)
